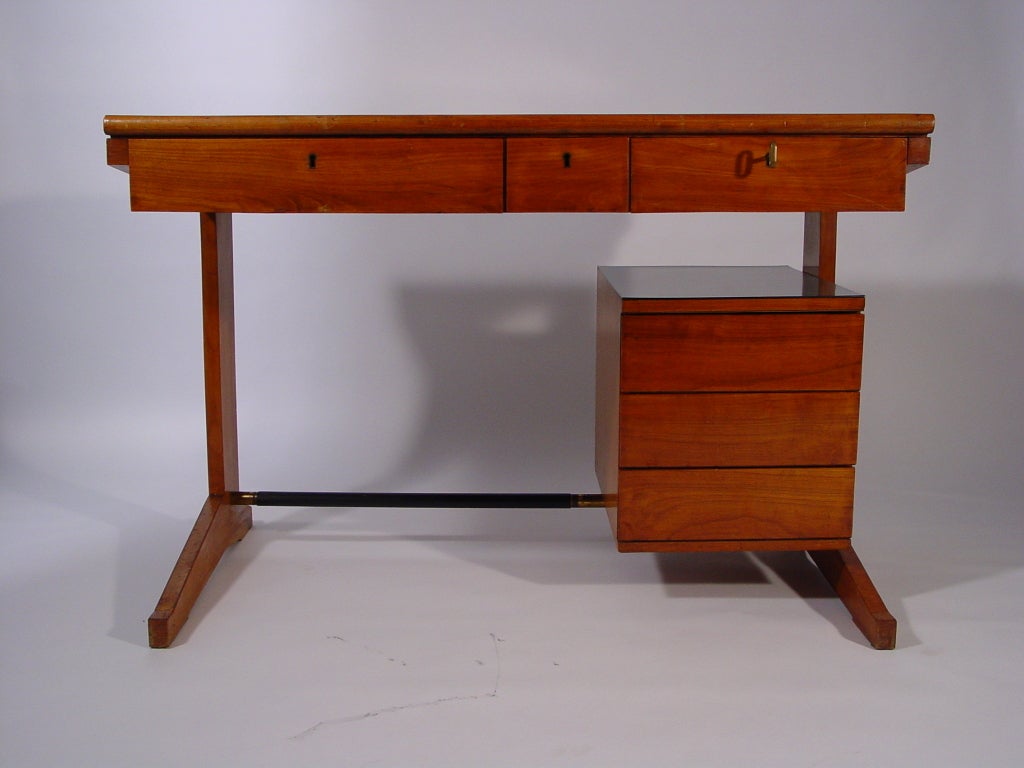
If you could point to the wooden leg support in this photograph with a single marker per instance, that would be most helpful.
(220, 524)
(820, 244)
(845, 572)
(218, 527)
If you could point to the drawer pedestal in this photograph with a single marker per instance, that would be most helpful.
(727, 412)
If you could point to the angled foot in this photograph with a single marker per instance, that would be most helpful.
(845, 572)
(218, 527)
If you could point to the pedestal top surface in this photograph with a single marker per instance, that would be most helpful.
(685, 282)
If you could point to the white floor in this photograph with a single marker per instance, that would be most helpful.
(521, 638)
(508, 638)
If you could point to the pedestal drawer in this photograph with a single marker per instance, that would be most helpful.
(717, 504)
(730, 173)
(743, 352)
(763, 429)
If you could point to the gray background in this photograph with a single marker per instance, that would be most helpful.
(455, 353)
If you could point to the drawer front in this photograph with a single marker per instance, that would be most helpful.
(739, 430)
(730, 173)
(731, 504)
(436, 175)
(572, 174)
(756, 352)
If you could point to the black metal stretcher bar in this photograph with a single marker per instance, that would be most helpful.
(421, 500)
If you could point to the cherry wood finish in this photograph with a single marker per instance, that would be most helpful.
(219, 352)
(845, 572)
(389, 175)
(707, 479)
(232, 126)
(221, 523)
(738, 429)
(741, 351)
(731, 173)
(727, 425)
(919, 150)
(820, 231)
(737, 545)
(734, 503)
(728, 421)
(578, 174)
(397, 163)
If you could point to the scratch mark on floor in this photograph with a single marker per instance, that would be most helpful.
(368, 649)
(497, 664)
(492, 694)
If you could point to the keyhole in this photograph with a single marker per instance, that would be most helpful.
(312, 161)
(567, 160)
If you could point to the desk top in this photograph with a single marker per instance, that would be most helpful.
(128, 126)
(518, 163)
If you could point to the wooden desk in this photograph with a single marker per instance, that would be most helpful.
(733, 460)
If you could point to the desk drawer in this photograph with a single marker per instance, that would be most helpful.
(571, 174)
(723, 504)
(730, 174)
(345, 175)
(763, 429)
(745, 352)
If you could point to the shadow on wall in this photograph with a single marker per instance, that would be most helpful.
(943, 389)
(509, 375)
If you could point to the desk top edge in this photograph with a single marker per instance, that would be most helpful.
(181, 126)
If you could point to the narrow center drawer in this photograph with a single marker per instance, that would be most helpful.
(568, 174)
(344, 175)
